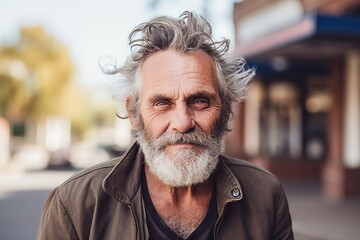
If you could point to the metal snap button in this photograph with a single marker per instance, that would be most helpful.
(235, 192)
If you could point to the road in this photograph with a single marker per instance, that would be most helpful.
(22, 196)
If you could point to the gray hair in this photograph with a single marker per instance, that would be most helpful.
(188, 33)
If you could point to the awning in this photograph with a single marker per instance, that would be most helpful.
(314, 37)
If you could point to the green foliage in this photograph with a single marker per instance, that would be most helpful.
(14, 97)
(34, 76)
(36, 82)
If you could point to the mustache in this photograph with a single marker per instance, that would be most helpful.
(196, 137)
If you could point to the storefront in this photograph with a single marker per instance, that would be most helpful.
(301, 119)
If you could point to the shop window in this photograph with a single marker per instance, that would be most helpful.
(281, 121)
(317, 105)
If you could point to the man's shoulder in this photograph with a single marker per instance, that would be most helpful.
(243, 164)
(254, 180)
(246, 170)
(90, 176)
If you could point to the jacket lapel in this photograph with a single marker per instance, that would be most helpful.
(230, 224)
(123, 184)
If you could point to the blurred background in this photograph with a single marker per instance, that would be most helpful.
(301, 119)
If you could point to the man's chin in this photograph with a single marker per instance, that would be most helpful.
(182, 167)
(177, 148)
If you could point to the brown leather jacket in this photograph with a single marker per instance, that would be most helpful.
(105, 202)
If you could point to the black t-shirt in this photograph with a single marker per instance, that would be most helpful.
(158, 230)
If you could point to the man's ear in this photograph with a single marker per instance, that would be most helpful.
(131, 111)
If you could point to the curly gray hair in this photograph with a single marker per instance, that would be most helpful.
(189, 33)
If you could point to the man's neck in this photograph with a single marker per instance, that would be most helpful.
(178, 205)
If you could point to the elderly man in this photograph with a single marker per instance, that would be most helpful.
(172, 183)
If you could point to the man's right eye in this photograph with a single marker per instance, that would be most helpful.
(161, 104)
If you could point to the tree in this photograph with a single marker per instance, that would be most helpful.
(35, 73)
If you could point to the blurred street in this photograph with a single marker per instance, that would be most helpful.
(315, 218)
(22, 195)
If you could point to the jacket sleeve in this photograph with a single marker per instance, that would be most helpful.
(282, 221)
(55, 221)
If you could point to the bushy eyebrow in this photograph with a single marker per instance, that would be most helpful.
(202, 94)
(198, 94)
(159, 97)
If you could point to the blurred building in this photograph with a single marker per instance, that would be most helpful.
(301, 119)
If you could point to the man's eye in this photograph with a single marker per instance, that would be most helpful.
(200, 103)
(161, 104)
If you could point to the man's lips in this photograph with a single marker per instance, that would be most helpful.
(182, 145)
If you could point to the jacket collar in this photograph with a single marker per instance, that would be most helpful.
(123, 182)
(228, 188)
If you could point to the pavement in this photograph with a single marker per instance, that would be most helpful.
(22, 196)
(23, 193)
(317, 218)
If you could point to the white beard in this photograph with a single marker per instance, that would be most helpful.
(184, 167)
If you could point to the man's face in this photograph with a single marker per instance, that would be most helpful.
(179, 110)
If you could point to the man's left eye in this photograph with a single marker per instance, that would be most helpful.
(200, 103)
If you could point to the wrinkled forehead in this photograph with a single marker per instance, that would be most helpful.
(169, 68)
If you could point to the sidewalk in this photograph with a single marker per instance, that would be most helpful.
(315, 218)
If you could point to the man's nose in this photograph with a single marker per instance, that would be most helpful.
(182, 119)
